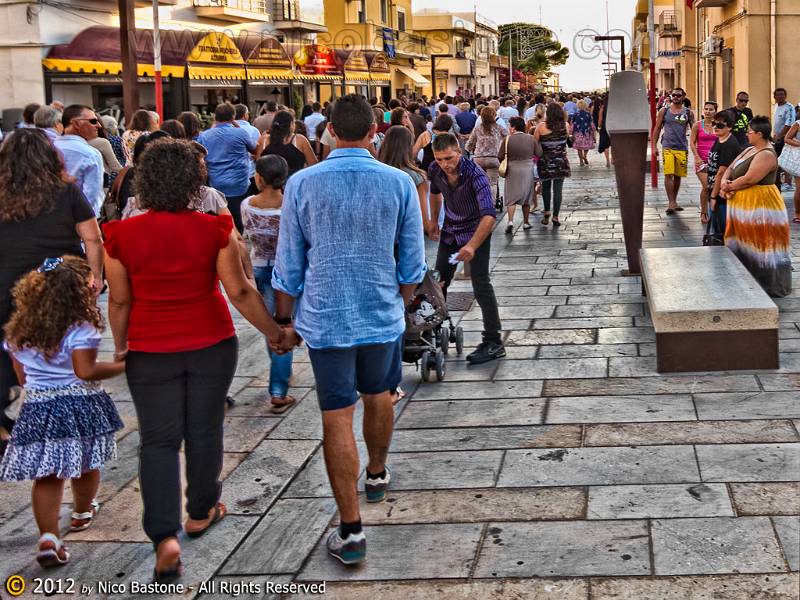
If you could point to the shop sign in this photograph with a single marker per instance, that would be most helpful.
(441, 74)
(317, 59)
(670, 53)
(270, 53)
(216, 48)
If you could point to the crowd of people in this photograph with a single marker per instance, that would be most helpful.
(266, 206)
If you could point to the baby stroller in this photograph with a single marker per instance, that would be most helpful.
(427, 338)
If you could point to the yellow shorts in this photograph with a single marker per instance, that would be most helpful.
(675, 162)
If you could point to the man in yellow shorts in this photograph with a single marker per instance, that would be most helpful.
(675, 120)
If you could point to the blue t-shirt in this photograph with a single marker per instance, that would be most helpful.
(228, 159)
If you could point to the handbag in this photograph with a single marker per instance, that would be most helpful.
(715, 237)
(503, 168)
(789, 160)
(110, 210)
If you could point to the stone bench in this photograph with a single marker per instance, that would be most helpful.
(708, 312)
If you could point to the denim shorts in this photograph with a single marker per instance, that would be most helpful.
(343, 373)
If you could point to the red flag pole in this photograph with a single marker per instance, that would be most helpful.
(651, 30)
(157, 63)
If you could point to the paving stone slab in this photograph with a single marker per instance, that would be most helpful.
(539, 589)
(659, 501)
(584, 290)
(242, 434)
(531, 301)
(486, 438)
(775, 382)
(587, 350)
(258, 481)
(476, 505)
(620, 409)
(701, 587)
(625, 335)
(471, 413)
(788, 529)
(599, 310)
(715, 545)
(766, 498)
(750, 462)
(403, 552)
(525, 312)
(564, 548)
(599, 466)
(642, 366)
(670, 384)
(752, 405)
(478, 390)
(556, 336)
(584, 323)
(502, 291)
(283, 538)
(444, 470)
(555, 368)
(603, 299)
(697, 432)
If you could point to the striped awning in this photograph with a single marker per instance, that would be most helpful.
(216, 72)
(261, 73)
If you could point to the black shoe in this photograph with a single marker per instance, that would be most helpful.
(485, 352)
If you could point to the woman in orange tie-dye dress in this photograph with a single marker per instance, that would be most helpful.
(758, 224)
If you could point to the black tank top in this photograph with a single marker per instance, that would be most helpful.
(294, 156)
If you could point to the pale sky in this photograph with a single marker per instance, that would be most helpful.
(567, 18)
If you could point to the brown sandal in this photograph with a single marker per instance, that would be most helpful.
(215, 515)
(277, 408)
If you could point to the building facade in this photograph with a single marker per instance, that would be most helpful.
(721, 47)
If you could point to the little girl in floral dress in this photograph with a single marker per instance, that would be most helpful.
(66, 426)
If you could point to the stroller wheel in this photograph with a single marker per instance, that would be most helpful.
(459, 340)
(444, 339)
(439, 360)
(425, 365)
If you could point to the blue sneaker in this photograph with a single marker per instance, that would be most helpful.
(376, 488)
(350, 551)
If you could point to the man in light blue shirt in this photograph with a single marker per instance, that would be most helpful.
(243, 120)
(229, 157)
(571, 107)
(81, 161)
(312, 120)
(352, 278)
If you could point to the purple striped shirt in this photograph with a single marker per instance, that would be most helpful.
(465, 204)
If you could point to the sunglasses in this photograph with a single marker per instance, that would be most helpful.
(92, 121)
(745, 100)
(678, 95)
(720, 125)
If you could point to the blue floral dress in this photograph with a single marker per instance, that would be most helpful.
(66, 425)
(582, 131)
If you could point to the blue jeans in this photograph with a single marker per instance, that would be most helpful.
(280, 368)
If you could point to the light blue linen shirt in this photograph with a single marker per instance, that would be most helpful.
(228, 159)
(85, 164)
(341, 221)
(254, 135)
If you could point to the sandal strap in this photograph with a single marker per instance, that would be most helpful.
(95, 506)
(49, 537)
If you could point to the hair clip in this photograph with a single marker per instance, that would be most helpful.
(50, 264)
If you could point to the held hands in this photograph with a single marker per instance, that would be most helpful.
(433, 231)
(287, 341)
(120, 355)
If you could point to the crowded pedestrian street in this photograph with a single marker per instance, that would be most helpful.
(570, 469)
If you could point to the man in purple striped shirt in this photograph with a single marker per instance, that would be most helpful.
(468, 223)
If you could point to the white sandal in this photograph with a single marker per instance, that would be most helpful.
(87, 518)
(54, 555)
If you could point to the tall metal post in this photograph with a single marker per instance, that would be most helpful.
(157, 62)
(127, 42)
(651, 32)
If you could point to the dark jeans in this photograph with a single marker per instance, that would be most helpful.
(555, 186)
(180, 398)
(779, 146)
(481, 284)
(8, 378)
(235, 206)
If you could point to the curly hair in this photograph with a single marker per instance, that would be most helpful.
(31, 175)
(168, 176)
(48, 304)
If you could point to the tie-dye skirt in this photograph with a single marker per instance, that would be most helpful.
(758, 233)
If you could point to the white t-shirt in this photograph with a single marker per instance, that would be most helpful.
(311, 122)
(507, 112)
(45, 373)
(328, 140)
(261, 227)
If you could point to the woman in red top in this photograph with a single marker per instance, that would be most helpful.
(171, 321)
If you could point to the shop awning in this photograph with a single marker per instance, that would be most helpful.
(413, 75)
(96, 50)
(354, 64)
(264, 56)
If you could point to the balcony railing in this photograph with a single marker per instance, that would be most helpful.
(254, 6)
(669, 23)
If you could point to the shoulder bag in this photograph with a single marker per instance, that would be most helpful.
(504, 164)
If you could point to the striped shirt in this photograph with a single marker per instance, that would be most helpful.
(466, 203)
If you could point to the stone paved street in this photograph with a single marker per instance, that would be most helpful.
(570, 470)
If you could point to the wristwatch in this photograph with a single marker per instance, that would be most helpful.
(283, 320)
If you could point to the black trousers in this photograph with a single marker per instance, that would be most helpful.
(235, 206)
(481, 284)
(180, 398)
